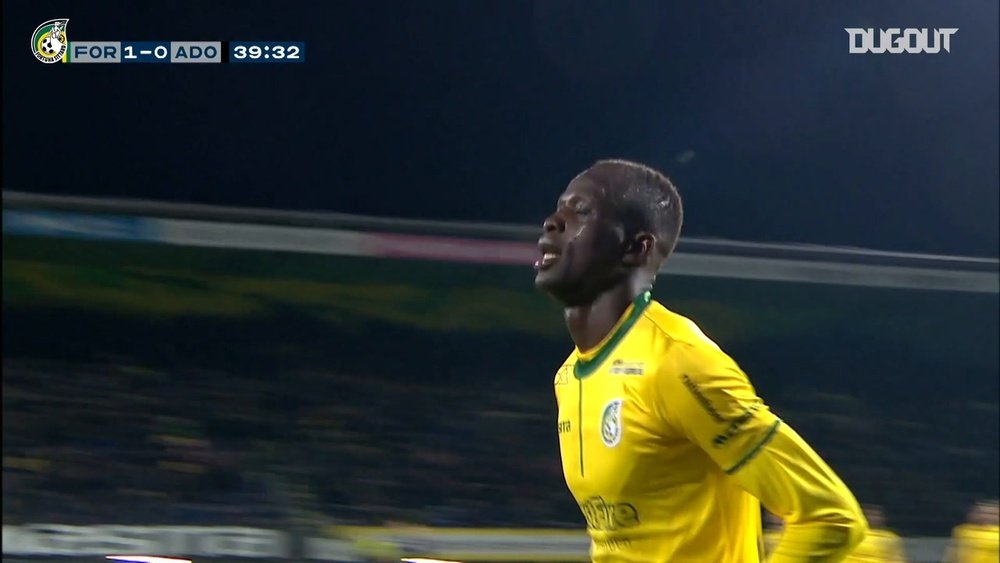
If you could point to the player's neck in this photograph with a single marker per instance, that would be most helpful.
(589, 324)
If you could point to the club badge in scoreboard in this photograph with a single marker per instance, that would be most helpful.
(49, 44)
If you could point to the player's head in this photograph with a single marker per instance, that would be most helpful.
(875, 515)
(985, 512)
(616, 222)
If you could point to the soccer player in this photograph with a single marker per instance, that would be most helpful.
(664, 443)
(978, 540)
(880, 545)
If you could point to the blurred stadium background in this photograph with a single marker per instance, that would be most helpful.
(182, 376)
(232, 382)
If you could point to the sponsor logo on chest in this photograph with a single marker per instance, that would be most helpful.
(625, 367)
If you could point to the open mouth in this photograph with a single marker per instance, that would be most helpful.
(550, 255)
(546, 261)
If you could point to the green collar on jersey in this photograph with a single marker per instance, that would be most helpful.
(583, 368)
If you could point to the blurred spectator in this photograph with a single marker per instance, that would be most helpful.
(880, 545)
(977, 540)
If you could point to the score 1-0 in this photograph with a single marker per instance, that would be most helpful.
(146, 52)
(119, 52)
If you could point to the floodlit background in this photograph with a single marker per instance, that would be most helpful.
(290, 307)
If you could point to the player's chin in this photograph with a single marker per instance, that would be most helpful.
(556, 284)
(548, 281)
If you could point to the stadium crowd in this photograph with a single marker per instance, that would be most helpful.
(112, 442)
(115, 442)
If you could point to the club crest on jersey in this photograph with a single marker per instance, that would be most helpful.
(611, 423)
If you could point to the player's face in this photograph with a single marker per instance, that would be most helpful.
(582, 244)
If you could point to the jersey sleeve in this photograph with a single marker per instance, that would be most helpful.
(711, 402)
(823, 520)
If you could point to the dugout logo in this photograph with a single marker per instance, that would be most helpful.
(895, 40)
(49, 43)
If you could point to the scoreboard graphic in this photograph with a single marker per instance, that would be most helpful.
(50, 44)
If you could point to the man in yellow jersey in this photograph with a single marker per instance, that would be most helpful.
(665, 445)
(880, 545)
(978, 540)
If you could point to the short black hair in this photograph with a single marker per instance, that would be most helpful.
(645, 199)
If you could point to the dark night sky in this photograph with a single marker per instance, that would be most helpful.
(483, 110)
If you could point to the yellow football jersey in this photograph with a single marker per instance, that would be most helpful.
(657, 427)
(879, 546)
(975, 543)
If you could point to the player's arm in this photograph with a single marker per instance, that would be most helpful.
(713, 404)
(823, 521)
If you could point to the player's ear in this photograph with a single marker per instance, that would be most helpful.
(639, 249)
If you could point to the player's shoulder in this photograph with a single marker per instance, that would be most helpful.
(682, 344)
(973, 531)
(964, 530)
(961, 531)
